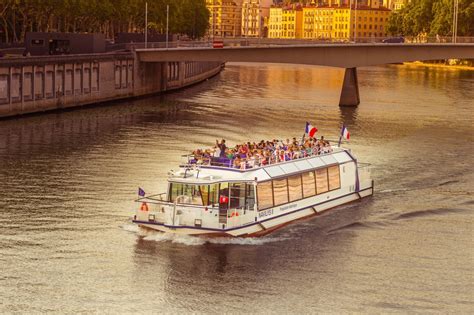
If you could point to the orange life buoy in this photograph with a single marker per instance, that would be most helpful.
(144, 206)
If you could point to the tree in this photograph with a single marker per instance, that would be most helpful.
(434, 17)
(17, 17)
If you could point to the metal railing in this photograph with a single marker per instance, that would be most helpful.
(249, 163)
(263, 42)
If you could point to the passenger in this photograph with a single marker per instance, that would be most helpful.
(237, 162)
(251, 160)
(243, 150)
(222, 147)
(230, 154)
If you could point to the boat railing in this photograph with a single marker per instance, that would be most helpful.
(252, 163)
(240, 216)
(364, 170)
(154, 199)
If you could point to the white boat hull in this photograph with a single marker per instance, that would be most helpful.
(263, 226)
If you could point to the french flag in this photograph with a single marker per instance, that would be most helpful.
(345, 133)
(310, 129)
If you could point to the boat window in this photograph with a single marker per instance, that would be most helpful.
(204, 189)
(265, 195)
(213, 194)
(237, 195)
(321, 180)
(309, 184)
(280, 191)
(249, 196)
(295, 191)
(191, 194)
(334, 179)
(224, 196)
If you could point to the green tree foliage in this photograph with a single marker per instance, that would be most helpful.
(189, 17)
(433, 17)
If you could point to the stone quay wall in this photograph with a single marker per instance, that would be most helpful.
(35, 84)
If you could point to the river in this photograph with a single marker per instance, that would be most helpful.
(68, 180)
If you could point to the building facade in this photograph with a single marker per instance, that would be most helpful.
(292, 22)
(337, 22)
(255, 14)
(317, 22)
(275, 22)
(397, 5)
(225, 19)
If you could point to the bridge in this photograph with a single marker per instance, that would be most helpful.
(348, 56)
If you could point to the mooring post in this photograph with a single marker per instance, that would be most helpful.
(350, 89)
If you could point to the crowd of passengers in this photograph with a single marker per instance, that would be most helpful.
(249, 155)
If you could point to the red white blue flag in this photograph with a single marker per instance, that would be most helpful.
(345, 133)
(310, 129)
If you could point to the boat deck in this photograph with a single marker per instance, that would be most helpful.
(252, 163)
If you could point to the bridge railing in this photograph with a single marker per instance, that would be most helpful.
(262, 42)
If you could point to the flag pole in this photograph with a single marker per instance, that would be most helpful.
(340, 137)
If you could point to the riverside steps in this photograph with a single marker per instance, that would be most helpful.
(43, 83)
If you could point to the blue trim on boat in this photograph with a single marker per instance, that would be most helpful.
(243, 226)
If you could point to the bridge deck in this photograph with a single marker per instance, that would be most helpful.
(332, 55)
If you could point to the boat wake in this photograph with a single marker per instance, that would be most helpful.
(129, 227)
(196, 241)
(428, 212)
(358, 226)
(189, 240)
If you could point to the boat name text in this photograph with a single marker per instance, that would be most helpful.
(288, 207)
(265, 213)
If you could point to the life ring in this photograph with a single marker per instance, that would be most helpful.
(234, 214)
(144, 206)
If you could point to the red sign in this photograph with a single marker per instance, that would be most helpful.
(218, 44)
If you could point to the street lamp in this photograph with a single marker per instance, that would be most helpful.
(146, 24)
(167, 22)
(455, 20)
(355, 22)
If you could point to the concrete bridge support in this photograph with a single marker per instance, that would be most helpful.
(350, 89)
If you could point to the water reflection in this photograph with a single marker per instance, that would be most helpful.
(68, 180)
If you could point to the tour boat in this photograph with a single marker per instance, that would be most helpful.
(214, 199)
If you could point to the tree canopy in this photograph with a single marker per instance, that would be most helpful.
(433, 17)
(17, 17)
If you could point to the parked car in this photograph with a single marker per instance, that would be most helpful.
(394, 40)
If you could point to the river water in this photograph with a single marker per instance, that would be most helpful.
(68, 180)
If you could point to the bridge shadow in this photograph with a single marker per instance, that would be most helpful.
(348, 114)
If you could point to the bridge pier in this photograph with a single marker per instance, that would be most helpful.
(350, 89)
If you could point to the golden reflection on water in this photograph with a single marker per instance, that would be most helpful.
(68, 180)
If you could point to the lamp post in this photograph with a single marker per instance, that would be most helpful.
(455, 20)
(167, 22)
(146, 25)
(355, 22)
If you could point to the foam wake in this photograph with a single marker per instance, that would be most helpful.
(194, 240)
(132, 228)
(150, 235)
